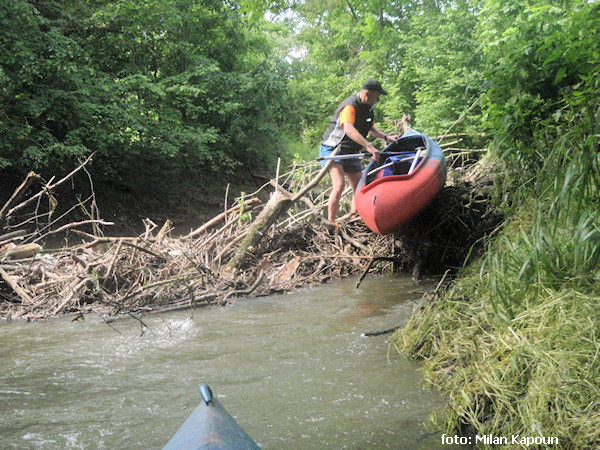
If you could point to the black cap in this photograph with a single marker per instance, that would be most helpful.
(373, 85)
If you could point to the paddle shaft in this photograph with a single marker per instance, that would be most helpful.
(360, 155)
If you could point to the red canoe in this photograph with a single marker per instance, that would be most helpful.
(394, 190)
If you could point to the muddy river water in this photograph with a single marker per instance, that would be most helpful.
(294, 370)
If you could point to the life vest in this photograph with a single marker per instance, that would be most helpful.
(363, 122)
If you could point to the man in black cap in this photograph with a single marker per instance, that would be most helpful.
(351, 123)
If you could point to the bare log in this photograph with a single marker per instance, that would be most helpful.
(19, 192)
(278, 204)
(364, 274)
(221, 217)
(165, 230)
(11, 236)
(23, 251)
(67, 300)
(317, 179)
(114, 259)
(25, 298)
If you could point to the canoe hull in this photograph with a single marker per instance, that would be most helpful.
(388, 203)
(210, 427)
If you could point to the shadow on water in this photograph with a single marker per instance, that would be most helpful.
(294, 370)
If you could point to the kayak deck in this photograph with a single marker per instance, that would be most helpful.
(210, 427)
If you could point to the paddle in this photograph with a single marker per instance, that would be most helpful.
(359, 155)
(414, 158)
(389, 165)
(382, 153)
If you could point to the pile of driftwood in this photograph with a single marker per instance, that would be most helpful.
(254, 247)
(157, 271)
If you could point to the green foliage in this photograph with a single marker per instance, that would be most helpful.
(536, 53)
(41, 91)
(559, 246)
(520, 324)
(186, 93)
(552, 159)
(174, 88)
(443, 67)
(155, 87)
(532, 377)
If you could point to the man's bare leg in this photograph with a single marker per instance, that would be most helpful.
(337, 182)
(353, 179)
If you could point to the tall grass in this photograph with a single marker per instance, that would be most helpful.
(559, 246)
(515, 343)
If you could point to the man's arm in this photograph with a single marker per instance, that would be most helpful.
(376, 133)
(353, 134)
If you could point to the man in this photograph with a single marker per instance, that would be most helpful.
(351, 123)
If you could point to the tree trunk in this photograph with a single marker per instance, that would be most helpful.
(277, 205)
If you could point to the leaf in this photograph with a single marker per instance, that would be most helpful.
(560, 74)
(287, 271)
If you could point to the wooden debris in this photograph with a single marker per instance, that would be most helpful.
(251, 249)
(24, 296)
(22, 251)
(277, 206)
(158, 272)
(16, 196)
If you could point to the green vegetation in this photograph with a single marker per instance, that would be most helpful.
(187, 95)
(514, 342)
(207, 91)
(159, 90)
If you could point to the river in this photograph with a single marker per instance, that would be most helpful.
(294, 370)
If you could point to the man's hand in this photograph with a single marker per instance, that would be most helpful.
(353, 134)
(373, 151)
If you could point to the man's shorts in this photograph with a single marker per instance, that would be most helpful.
(349, 165)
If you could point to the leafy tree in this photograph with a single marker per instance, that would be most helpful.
(536, 52)
(43, 89)
(155, 88)
(443, 66)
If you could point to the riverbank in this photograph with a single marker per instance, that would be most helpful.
(513, 343)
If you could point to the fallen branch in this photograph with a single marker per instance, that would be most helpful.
(11, 236)
(379, 333)
(460, 118)
(277, 205)
(364, 274)
(25, 298)
(19, 192)
(70, 297)
(221, 217)
(73, 225)
(104, 240)
(246, 291)
(49, 187)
